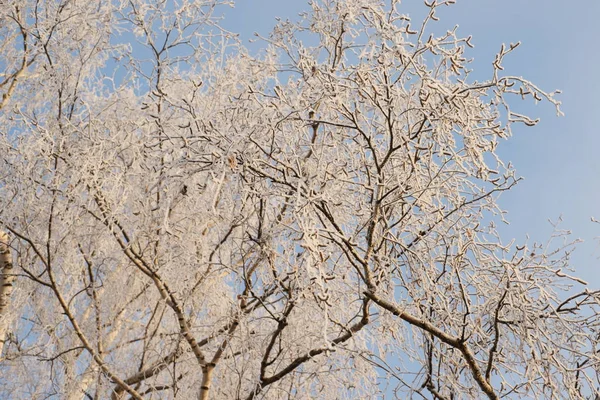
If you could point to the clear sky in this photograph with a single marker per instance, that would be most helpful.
(560, 157)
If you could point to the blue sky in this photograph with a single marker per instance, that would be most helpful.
(560, 157)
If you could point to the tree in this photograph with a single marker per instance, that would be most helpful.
(317, 221)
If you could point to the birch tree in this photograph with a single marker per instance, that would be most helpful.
(191, 220)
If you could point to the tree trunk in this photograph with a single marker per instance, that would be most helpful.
(6, 286)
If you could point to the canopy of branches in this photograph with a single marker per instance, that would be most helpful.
(190, 220)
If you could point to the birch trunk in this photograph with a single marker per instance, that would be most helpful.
(6, 286)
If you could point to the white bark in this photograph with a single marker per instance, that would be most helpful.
(6, 286)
